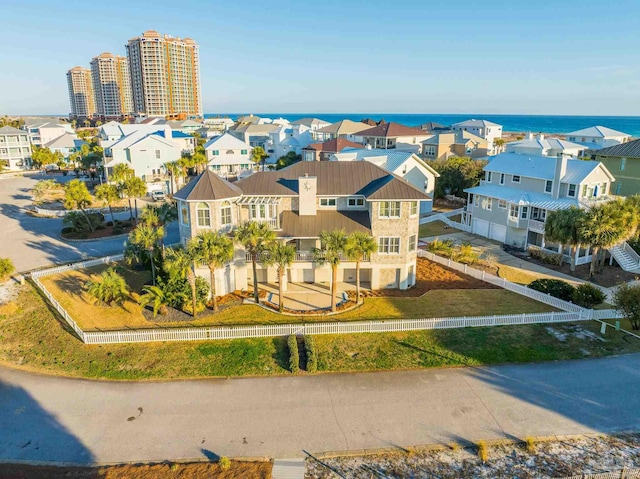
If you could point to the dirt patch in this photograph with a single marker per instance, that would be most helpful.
(257, 470)
(8, 291)
(430, 276)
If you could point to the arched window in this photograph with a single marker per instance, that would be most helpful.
(204, 217)
(184, 214)
(229, 152)
(225, 213)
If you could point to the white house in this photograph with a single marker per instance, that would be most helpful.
(228, 156)
(15, 148)
(42, 132)
(404, 164)
(483, 128)
(66, 144)
(596, 137)
(540, 146)
(287, 138)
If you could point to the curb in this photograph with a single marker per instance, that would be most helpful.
(91, 240)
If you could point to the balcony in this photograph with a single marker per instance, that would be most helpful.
(536, 226)
(272, 222)
(308, 257)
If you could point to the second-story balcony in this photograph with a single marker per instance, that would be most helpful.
(308, 257)
(272, 222)
(536, 226)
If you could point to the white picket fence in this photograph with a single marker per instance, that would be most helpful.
(81, 265)
(624, 474)
(444, 217)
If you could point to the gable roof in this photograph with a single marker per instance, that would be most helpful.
(473, 123)
(630, 148)
(67, 140)
(139, 136)
(543, 167)
(597, 132)
(547, 143)
(9, 130)
(392, 130)
(226, 141)
(207, 187)
(390, 160)
(459, 137)
(310, 122)
(345, 127)
(339, 178)
(333, 146)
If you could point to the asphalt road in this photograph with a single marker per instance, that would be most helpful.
(33, 242)
(46, 418)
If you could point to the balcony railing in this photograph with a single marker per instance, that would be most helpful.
(272, 222)
(536, 226)
(308, 256)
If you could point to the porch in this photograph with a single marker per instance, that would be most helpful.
(309, 297)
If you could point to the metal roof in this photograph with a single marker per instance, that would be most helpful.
(9, 130)
(629, 149)
(208, 187)
(390, 160)
(597, 132)
(345, 127)
(297, 226)
(392, 130)
(522, 197)
(541, 167)
(226, 141)
(473, 123)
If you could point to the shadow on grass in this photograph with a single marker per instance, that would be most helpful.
(281, 355)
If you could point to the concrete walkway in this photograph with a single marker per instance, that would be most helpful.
(54, 419)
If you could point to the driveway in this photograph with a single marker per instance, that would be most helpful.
(53, 419)
(33, 242)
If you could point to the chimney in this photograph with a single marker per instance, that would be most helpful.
(540, 136)
(368, 146)
(561, 170)
(307, 191)
(529, 136)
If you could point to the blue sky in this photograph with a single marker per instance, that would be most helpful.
(545, 57)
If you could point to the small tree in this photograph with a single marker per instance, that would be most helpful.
(359, 246)
(215, 250)
(108, 194)
(77, 197)
(160, 298)
(626, 299)
(149, 216)
(181, 263)
(6, 268)
(199, 161)
(42, 187)
(4, 164)
(167, 212)
(133, 187)
(563, 226)
(109, 288)
(281, 255)
(256, 238)
(258, 156)
(147, 237)
(41, 157)
(294, 355)
(332, 248)
(588, 296)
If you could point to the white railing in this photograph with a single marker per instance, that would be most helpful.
(63, 213)
(272, 222)
(72, 324)
(626, 256)
(353, 327)
(536, 226)
(599, 314)
(308, 256)
(444, 217)
(73, 266)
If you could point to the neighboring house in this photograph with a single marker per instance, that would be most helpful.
(345, 129)
(314, 124)
(286, 138)
(540, 146)
(433, 127)
(404, 164)
(392, 136)
(301, 201)
(215, 126)
(624, 161)
(596, 137)
(484, 129)
(228, 156)
(15, 148)
(323, 151)
(444, 144)
(42, 132)
(145, 153)
(185, 141)
(256, 134)
(66, 144)
(519, 191)
(185, 126)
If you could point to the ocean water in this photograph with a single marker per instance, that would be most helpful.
(519, 123)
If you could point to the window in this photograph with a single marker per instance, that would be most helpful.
(412, 243)
(327, 201)
(215, 152)
(584, 190)
(515, 178)
(225, 213)
(502, 204)
(157, 154)
(430, 150)
(184, 213)
(389, 209)
(389, 245)
(414, 208)
(355, 202)
(487, 176)
(548, 186)
(243, 152)
(523, 212)
(502, 178)
(572, 191)
(513, 211)
(489, 204)
(204, 217)
(623, 164)
(476, 200)
(216, 167)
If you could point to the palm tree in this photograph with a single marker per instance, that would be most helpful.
(149, 216)
(258, 156)
(77, 196)
(359, 246)
(256, 238)
(133, 187)
(147, 237)
(215, 250)
(562, 227)
(108, 194)
(332, 247)
(499, 144)
(282, 255)
(199, 160)
(160, 298)
(181, 263)
(109, 288)
(167, 212)
(175, 171)
(185, 163)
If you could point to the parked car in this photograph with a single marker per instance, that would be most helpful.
(158, 195)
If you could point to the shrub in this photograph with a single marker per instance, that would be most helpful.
(109, 223)
(546, 257)
(312, 354)
(77, 221)
(465, 254)
(531, 445)
(6, 268)
(555, 287)
(588, 296)
(294, 357)
(626, 299)
(442, 248)
(224, 462)
(483, 451)
(117, 230)
(109, 288)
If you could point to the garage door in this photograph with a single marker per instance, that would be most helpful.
(308, 275)
(498, 232)
(481, 227)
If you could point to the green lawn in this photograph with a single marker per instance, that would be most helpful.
(32, 338)
(435, 228)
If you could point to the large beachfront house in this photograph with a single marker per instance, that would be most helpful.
(540, 146)
(488, 130)
(228, 156)
(298, 203)
(518, 192)
(15, 148)
(596, 137)
(624, 161)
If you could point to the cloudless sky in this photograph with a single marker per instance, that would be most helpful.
(577, 57)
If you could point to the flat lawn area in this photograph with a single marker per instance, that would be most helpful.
(435, 228)
(32, 338)
(515, 275)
